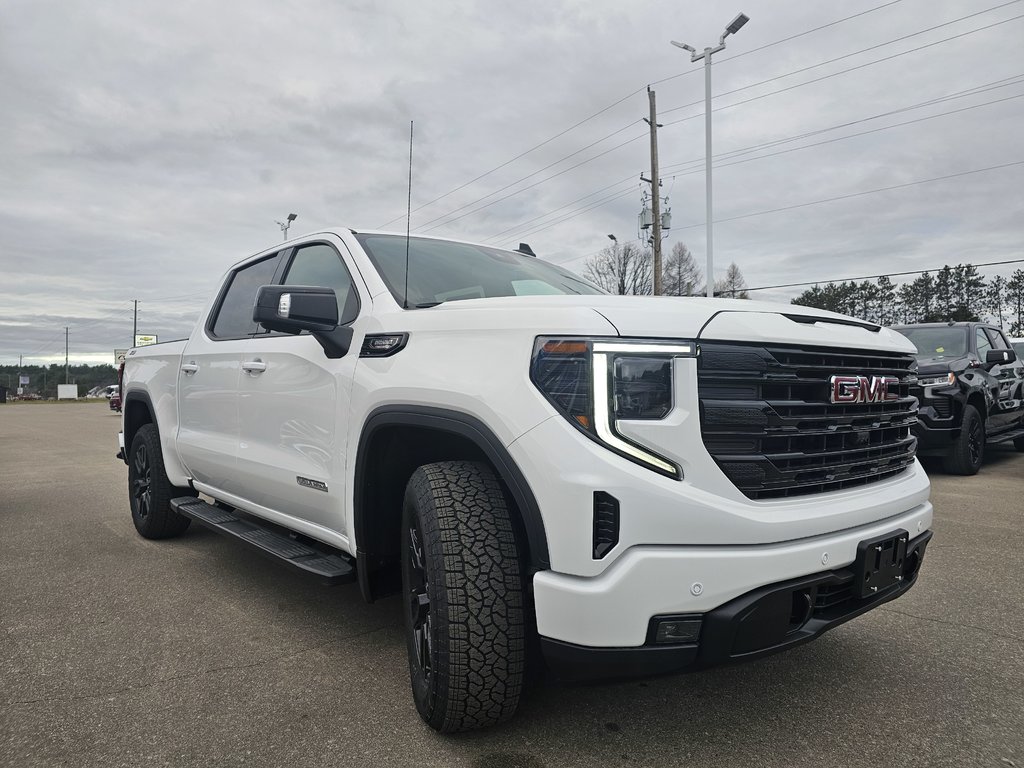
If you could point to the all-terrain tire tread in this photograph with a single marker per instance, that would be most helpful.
(471, 546)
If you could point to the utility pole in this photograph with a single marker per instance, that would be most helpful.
(734, 26)
(135, 323)
(655, 194)
(66, 369)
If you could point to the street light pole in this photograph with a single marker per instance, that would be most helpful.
(286, 225)
(734, 26)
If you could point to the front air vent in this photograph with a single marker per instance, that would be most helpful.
(606, 523)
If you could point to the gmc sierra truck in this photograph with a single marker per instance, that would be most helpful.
(544, 473)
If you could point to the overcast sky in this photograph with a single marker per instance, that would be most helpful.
(146, 146)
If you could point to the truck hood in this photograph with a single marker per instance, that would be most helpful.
(942, 364)
(699, 318)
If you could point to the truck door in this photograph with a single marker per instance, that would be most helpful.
(208, 378)
(1008, 412)
(294, 404)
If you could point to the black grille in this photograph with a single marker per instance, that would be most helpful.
(768, 421)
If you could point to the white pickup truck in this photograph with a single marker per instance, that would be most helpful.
(614, 485)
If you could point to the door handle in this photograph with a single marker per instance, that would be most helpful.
(189, 368)
(253, 367)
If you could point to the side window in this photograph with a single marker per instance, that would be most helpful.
(320, 265)
(984, 345)
(997, 339)
(234, 316)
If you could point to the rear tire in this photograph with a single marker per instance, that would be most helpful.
(149, 490)
(968, 452)
(1018, 443)
(463, 593)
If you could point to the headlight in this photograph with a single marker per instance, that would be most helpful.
(595, 383)
(937, 381)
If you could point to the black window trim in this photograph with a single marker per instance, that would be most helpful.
(215, 313)
(282, 273)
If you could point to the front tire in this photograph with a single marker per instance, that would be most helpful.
(149, 490)
(463, 593)
(968, 452)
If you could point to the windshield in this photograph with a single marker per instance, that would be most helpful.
(937, 342)
(440, 270)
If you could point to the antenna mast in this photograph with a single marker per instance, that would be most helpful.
(408, 218)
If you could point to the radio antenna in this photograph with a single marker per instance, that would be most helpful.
(408, 218)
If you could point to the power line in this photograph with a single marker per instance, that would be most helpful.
(857, 194)
(973, 91)
(869, 48)
(776, 142)
(829, 76)
(427, 228)
(630, 95)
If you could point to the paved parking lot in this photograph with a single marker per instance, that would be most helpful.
(119, 651)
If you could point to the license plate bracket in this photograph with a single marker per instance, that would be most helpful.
(880, 561)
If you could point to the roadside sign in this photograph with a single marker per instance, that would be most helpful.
(22, 380)
(119, 355)
(143, 340)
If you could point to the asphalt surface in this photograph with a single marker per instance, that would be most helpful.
(198, 652)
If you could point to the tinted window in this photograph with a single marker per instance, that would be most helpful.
(234, 318)
(441, 270)
(984, 345)
(320, 265)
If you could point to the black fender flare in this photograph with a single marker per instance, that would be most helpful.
(130, 427)
(465, 426)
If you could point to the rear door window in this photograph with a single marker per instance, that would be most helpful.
(234, 315)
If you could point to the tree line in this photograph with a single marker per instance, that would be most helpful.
(627, 269)
(953, 293)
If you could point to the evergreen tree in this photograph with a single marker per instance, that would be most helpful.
(995, 299)
(1015, 298)
(680, 274)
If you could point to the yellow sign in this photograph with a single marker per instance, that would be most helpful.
(142, 340)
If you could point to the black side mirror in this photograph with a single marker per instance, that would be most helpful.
(297, 308)
(1000, 356)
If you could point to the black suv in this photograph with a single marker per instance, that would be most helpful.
(970, 390)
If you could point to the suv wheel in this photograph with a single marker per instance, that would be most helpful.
(149, 490)
(968, 451)
(463, 593)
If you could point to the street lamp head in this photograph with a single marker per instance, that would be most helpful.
(292, 216)
(737, 24)
(612, 237)
(684, 46)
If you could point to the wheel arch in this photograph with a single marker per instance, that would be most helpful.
(396, 439)
(138, 411)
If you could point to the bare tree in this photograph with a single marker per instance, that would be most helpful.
(681, 276)
(732, 286)
(622, 268)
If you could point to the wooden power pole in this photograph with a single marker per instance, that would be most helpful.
(655, 194)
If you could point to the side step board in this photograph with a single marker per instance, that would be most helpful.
(1005, 437)
(330, 568)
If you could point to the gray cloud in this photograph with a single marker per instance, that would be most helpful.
(145, 146)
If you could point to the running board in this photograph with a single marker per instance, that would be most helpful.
(329, 568)
(1005, 437)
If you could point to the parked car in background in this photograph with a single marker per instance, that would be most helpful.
(115, 400)
(970, 388)
(1018, 347)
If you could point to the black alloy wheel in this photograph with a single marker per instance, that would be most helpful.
(150, 490)
(418, 601)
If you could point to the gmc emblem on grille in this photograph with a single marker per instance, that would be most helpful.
(862, 389)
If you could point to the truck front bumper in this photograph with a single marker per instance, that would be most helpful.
(761, 622)
(608, 622)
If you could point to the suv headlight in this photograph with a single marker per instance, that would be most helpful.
(595, 383)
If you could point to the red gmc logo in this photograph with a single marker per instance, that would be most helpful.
(862, 389)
